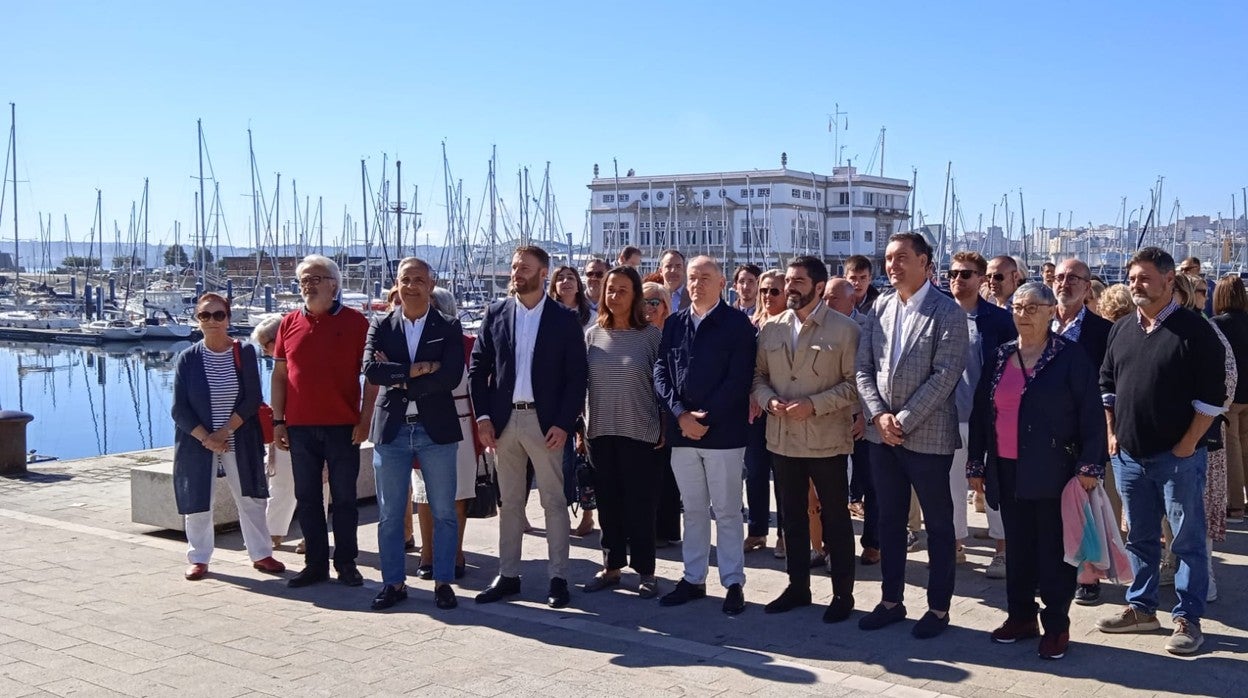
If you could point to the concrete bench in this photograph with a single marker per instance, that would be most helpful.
(152, 503)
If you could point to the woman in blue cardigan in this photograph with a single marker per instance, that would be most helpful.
(216, 396)
(1036, 423)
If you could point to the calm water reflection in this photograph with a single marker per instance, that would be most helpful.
(89, 401)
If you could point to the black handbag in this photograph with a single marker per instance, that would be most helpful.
(484, 504)
(1213, 439)
(586, 497)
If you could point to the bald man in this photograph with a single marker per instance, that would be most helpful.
(1002, 278)
(839, 296)
(703, 378)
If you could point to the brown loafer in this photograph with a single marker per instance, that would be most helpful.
(269, 565)
(870, 556)
(196, 572)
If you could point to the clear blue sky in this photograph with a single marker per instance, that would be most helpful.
(1077, 104)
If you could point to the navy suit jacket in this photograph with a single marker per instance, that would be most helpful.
(1094, 337)
(442, 340)
(711, 369)
(559, 372)
(996, 327)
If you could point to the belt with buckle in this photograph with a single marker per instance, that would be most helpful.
(523, 406)
(412, 418)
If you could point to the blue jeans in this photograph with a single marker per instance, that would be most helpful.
(394, 481)
(1165, 485)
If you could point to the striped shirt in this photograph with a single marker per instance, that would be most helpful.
(222, 385)
(621, 383)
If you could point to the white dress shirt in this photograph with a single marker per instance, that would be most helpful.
(526, 323)
(907, 314)
(413, 329)
(697, 319)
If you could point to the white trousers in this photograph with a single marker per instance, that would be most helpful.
(958, 487)
(200, 535)
(710, 483)
(281, 507)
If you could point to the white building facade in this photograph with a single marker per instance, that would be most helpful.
(762, 216)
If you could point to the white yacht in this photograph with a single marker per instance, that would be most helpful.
(115, 330)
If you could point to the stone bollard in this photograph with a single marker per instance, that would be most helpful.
(13, 441)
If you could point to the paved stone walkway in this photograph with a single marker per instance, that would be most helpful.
(93, 604)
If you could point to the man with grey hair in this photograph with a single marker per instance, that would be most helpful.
(318, 415)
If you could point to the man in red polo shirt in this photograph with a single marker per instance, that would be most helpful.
(318, 416)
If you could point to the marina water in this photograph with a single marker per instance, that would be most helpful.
(91, 401)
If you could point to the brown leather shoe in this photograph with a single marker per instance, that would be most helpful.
(196, 572)
(269, 565)
(870, 556)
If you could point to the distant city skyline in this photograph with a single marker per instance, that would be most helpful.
(1076, 106)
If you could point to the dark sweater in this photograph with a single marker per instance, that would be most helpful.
(1234, 324)
(1155, 377)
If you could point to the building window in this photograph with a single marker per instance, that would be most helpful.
(805, 194)
(840, 236)
(868, 236)
(764, 191)
(843, 198)
(706, 193)
(797, 194)
(624, 234)
(869, 198)
(723, 193)
(608, 198)
(643, 232)
(745, 193)
(818, 196)
(658, 195)
(645, 196)
(623, 198)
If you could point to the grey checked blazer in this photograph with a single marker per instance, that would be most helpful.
(919, 389)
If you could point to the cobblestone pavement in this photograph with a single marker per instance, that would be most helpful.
(91, 603)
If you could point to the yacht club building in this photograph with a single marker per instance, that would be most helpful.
(762, 216)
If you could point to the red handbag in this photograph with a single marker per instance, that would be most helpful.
(265, 413)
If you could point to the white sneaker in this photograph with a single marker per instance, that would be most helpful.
(996, 568)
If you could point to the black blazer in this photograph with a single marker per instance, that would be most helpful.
(1061, 424)
(559, 372)
(442, 340)
(1094, 337)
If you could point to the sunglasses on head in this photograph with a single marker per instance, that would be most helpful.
(218, 315)
(963, 274)
(773, 291)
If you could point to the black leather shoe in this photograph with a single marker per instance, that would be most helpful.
(839, 609)
(499, 588)
(792, 597)
(350, 576)
(881, 616)
(390, 595)
(734, 602)
(307, 577)
(683, 593)
(444, 596)
(930, 625)
(558, 596)
(424, 572)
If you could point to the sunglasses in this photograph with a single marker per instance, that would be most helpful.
(595, 274)
(963, 274)
(312, 280)
(998, 277)
(771, 291)
(205, 316)
(654, 302)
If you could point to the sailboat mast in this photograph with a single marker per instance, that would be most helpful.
(398, 208)
(203, 223)
(17, 267)
(493, 224)
(255, 208)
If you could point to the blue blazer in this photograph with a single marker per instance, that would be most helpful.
(711, 370)
(560, 370)
(193, 465)
(1094, 337)
(442, 340)
(996, 327)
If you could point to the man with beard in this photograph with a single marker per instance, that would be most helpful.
(527, 376)
(1162, 384)
(1002, 280)
(703, 377)
(910, 359)
(595, 274)
(672, 267)
(804, 378)
(319, 418)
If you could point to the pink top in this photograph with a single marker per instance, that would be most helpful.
(1007, 398)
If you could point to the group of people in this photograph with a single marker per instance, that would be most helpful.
(890, 404)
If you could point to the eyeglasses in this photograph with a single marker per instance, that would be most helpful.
(595, 274)
(205, 316)
(771, 291)
(1059, 278)
(998, 277)
(963, 274)
(654, 302)
(1029, 309)
(312, 280)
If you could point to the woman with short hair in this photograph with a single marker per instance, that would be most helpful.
(1115, 303)
(216, 398)
(1036, 423)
